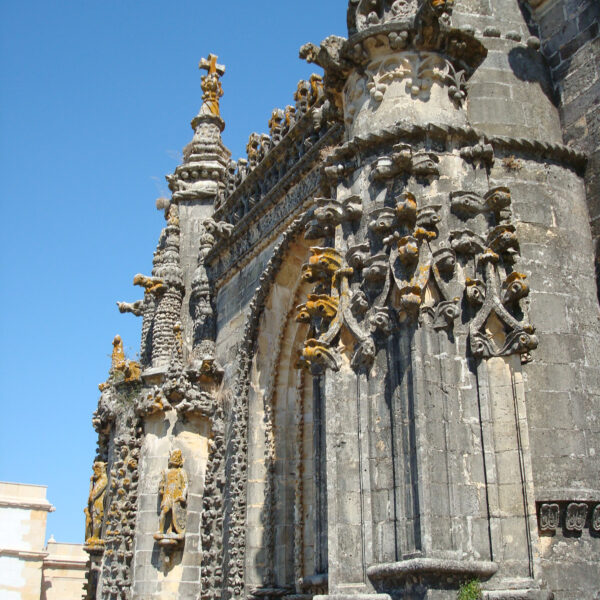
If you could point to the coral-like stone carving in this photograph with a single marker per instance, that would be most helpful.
(120, 516)
(173, 491)
(549, 517)
(94, 511)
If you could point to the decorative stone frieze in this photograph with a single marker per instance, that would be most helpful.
(572, 517)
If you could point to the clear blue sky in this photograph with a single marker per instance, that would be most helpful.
(96, 100)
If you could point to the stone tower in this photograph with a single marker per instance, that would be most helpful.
(370, 351)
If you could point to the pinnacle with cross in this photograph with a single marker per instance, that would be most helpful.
(211, 85)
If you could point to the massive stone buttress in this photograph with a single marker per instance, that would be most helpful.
(429, 307)
(369, 356)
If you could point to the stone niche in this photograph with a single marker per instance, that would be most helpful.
(170, 573)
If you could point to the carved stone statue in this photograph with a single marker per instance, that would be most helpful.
(173, 491)
(94, 512)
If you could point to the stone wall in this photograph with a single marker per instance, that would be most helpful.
(64, 571)
(28, 569)
(570, 34)
(23, 512)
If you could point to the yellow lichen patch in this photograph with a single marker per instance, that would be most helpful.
(118, 354)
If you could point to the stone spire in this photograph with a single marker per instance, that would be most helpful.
(205, 159)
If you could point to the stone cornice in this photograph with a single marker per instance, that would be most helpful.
(65, 563)
(275, 154)
(303, 166)
(567, 495)
(23, 554)
(26, 504)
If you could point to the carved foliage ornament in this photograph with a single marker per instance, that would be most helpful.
(420, 70)
(413, 266)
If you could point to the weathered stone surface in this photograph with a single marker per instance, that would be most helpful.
(375, 341)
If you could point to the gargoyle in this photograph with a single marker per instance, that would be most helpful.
(135, 308)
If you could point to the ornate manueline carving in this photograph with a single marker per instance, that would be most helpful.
(173, 489)
(549, 517)
(576, 516)
(308, 94)
(94, 512)
(327, 213)
(120, 516)
(596, 518)
(409, 270)
(420, 70)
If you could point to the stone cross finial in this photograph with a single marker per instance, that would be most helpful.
(210, 64)
(211, 85)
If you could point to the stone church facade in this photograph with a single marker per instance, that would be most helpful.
(370, 355)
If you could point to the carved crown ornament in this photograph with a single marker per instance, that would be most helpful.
(414, 262)
(419, 31)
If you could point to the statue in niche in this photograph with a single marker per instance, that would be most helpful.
(94, 511)
(173, 491)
